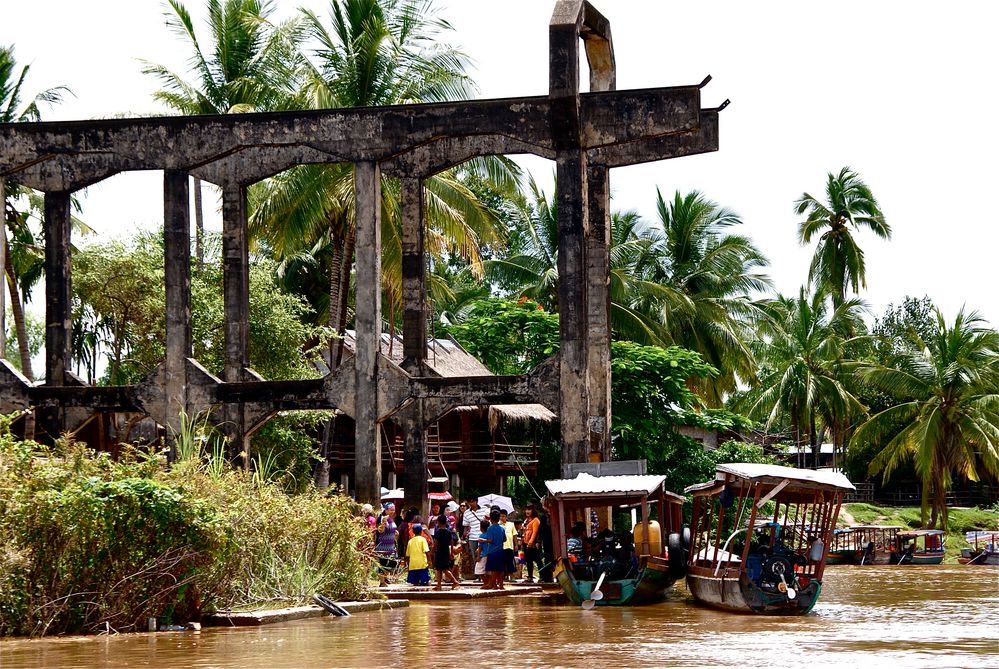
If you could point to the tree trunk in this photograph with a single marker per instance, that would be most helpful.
(199, 227)
(19, 324)
(336, 291)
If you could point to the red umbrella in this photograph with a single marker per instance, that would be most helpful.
(442, 496)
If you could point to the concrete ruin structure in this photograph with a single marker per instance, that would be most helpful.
(585, 133)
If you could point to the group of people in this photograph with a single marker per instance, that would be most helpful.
(461, 541)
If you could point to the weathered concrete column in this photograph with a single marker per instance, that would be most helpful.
(177, 277)
(563, 78)
(58, 308)
(414, 292)
(236, 286)
(3, 270)
(368, 317)
(598, 240)
(415, 457)
(414, 298)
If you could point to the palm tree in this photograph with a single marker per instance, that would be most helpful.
(252, 66)
(947, 416)
(801, 372)
(713, 274)
(374, 52)
(838, 264)
(19, 284)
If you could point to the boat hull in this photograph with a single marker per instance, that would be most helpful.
(917, 558)
(654, 579)
(741, 594)
(986, 559)
(843, 557)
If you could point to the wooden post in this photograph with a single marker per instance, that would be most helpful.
(368, 452)
(177, 279)
(3, 268)
(646, 549)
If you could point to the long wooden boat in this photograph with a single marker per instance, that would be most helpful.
(919, 547)
(760, 536)
(846, 547)
(985, 551)
(635, 565)
(877, 542)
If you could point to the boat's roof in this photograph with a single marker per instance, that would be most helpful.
(875, 527)
(920, 533)
(589, 486)
(776, 474)
(981, 534)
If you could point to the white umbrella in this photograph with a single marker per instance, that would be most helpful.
(492, 499)
(398, 493)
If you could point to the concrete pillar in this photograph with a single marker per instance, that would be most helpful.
(415, 458)
(177, 277)
(414, 293)
(3, 269)
(572, 290)
(414, 298)
(368, 317)
(58, 308)
(598, 240)
(236, 286)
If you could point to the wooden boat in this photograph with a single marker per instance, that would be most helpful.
(760, 535)
(877, 542)
(919, 547)
(846, 547)
(985, 550)
(635, 566)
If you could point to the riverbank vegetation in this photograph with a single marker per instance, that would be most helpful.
(89, 544)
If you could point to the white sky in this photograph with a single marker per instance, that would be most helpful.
(904, 93)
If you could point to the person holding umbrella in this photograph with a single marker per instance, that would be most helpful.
(472, 520)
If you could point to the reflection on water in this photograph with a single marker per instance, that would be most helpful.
(869, 616)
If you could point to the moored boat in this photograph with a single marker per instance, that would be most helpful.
(760, 536)
(846, 547)
(919, 547)
(627, 568)
(877, 542)
(984, 550)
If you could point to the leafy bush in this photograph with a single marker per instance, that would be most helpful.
(87, 542)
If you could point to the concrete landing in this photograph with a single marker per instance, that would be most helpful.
(404, 592)
(268, 617)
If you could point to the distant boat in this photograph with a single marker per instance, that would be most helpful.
(877, 542)
(759, 537)
(847, 547)
(631, 568)
(919, 547)
(985, 550)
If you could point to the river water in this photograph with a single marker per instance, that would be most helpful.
(944, 616)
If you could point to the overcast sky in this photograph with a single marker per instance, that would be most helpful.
(904, 93)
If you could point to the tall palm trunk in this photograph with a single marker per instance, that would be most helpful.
(336, 290)
(18, 312)
(348, 262)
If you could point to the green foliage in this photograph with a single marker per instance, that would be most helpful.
(509, 337)
(284, 449)
(120, 301)
(650, 399)
(87, 542)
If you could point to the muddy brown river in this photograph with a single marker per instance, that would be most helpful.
(867, 617)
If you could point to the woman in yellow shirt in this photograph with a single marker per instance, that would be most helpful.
(418, 557)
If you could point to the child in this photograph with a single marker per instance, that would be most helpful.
(443, 560)
(493, 539)
(518, 525)
(418, 557)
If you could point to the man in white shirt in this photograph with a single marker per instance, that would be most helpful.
(471, 520)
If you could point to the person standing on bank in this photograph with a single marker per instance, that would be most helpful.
(472, 520)
(509, 547)
(492, 549)
(418, 557)
(443, 559)
(532, 543)
(385, 543)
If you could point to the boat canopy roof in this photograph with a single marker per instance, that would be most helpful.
(981, 535)
(610, 487)
(875, 527)
(775, 474)
(920, 533)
